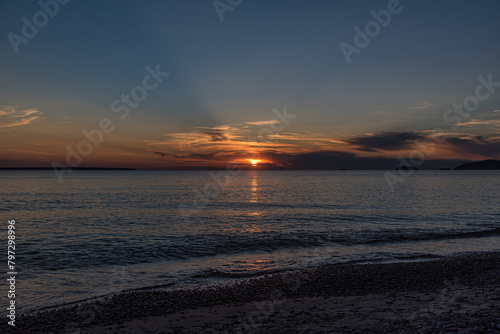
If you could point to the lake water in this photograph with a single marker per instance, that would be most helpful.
(101, 232)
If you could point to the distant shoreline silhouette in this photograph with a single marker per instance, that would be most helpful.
(480, 165)
(75, 168)
(490, 164)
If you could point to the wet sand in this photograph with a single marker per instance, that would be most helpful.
(451, 295)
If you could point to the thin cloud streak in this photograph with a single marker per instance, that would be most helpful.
(12, 116)
(424, 105)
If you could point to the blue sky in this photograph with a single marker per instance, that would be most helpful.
(264, 55)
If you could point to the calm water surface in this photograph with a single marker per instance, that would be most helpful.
(101, 232)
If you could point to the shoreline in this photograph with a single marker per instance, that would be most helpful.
(404, 293)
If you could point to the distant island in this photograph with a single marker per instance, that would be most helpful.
(485, 164)
(74, 168)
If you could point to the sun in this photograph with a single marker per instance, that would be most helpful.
(254, 162)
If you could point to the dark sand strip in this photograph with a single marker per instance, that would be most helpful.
(445, 295)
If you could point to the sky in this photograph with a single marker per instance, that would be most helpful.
(264, 84)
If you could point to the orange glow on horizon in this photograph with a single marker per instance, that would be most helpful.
(254, 162)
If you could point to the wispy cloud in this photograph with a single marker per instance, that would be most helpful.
(489, 122)
(423, 105)
(272, 121)
(64, 120)
(11, 116)
(478, 146)
(215, 134)
(212, 146)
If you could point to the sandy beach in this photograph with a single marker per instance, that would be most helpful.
(450, 295)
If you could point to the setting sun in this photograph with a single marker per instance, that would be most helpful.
(254, 162)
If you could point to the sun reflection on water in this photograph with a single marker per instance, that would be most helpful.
(254, 188)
